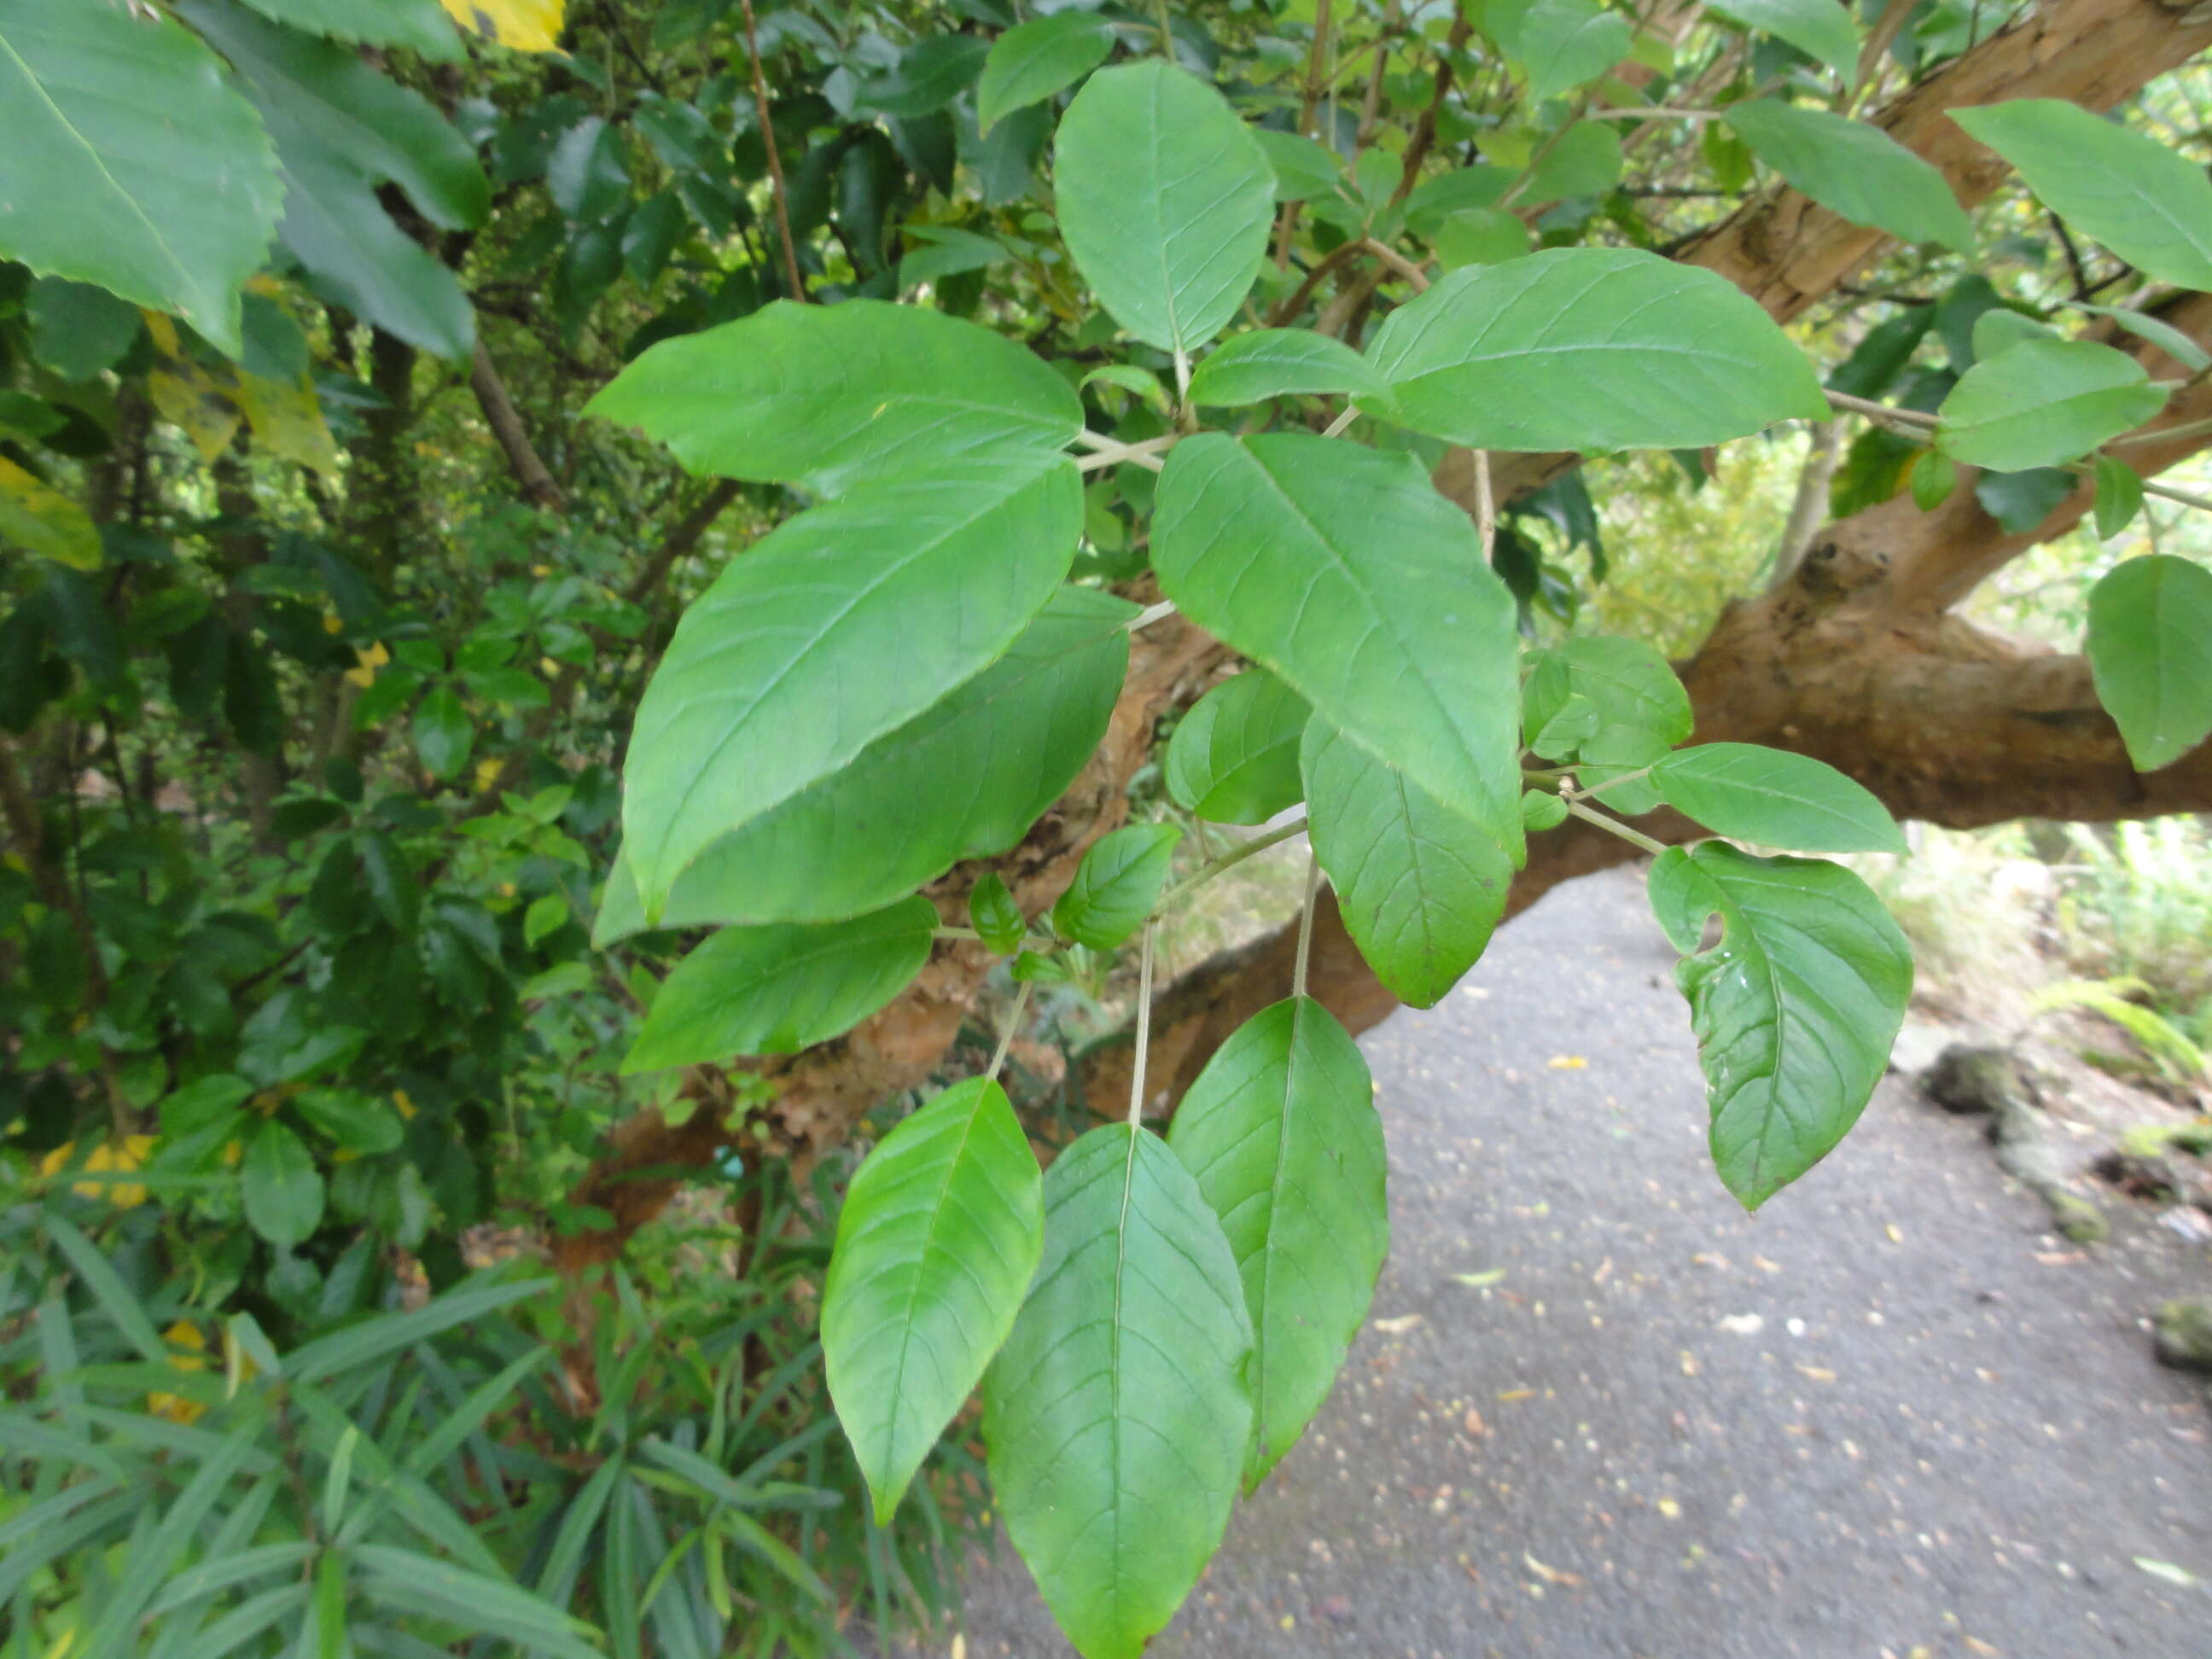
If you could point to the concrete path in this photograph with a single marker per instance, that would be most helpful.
(1600, 1412)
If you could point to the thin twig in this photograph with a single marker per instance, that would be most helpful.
(1144, 1031)
(1340, 254)
(1872, 410)
(1013, 1024)
(1145, 454)
(1150, 614)
(776, 187)
(1305, 926)
(1486, 505)
(1636, 837)
(1397, 262)
(1234, 856)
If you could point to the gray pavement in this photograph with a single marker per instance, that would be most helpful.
(1600, 1412)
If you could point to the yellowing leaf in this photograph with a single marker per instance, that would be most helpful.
(286, 421)
(370, 660)
(44, 521)
(524, 25)
(188, 1353)
(1568, 1063)
(105, 1159)
(192, 399)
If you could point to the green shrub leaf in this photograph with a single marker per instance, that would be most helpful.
(1795, 1008)
(936, 1245)
(1589, 350)
(1856, 169)
(1819, 28)
(1421, 888)
(776, 990)
(1118, 1414)
(1281, 362)
(838, 627)
(1032, 61)
(1339, 569)
(1777, 798)
(2150, 650)
(2042, 403)
(279, 1187)
(1281, 1134)
(995, 916)
(1563, 44)
(2119, 496)
(1116, 885)
(417, 25)
(1164, 199)
(825, 394)
(1233, 759)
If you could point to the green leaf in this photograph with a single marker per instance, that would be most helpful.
(939, 1236)
(1302, 169)
(1819, 28)
(1281, 362)
(1776, 799)
(1479, 236)
(1281, 1134)
(1795, 1008)
(96, 1274)
(1117, 1414)
(77, 330)
(586, 174)
(1638, 711)
(931, 74)
(2149, 204)
(992, 912)
(359, 1346)
(39, 519)
(1233, 759)
(1588, 349)
(358, 258)
(1563, 44)
(2119, 496)
(2043, 403)
(1855, 169)
(2020, 500)
(776, 990)
(443, 733)
(362, 1123)
(279, 1188)
(2001, 326)
(1421, 888)
(1340, 569)
(2151, 651)
(839, 626)
(1164, 199)
(1541, 810)
(417, 25)
(1116, 885)
(105, 115)
(322, 99)
(1933, 478)
(1032, 61)
(1584, 159)
(2163, 334)
(963, 780)
(410, 1582)
(1462, 190)
(822, 394)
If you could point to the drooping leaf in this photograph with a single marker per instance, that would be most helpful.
(126, 161)
(417, 25)
(995, 916)
(1588, 349)
(1341, 570)
(1934, 477)
(357, 258)
(1562, 44)
(524, 25)
(278, 1186)
(1234, 758)
(776, 990)
(1116, 885)
(1776, 799)
(2154, 331)
(940, 1235)
(929, 74)
(1819, 28)
(2044, 402)
(2150, 651)
(963, 780)
(1281, 362)
(1032, 61)
(40, 520)
(1855, 168)
(839, 626)
(1795, 1008)
(1421, 888)
(1117, 1414)
(2119, 496)
(1626, 683)
(2149, 204)
(1164, 199)
(586, 174)
(1281, 1134)
(823, 393)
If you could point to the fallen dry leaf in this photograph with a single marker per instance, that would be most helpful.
(1669, 1508)
(1743, 1324)
(1399, 1325)
(1474, 1425)
(1476, 1281)
(1517, 1393)
(1552, 1575)
(1568, 1063)
(1818, 1373)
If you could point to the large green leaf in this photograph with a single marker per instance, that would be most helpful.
(279, 1186)
(1164, 199)
(1116, 885)
(357, 258)
(2149, 204)
(419, 25)
(1819, 28)
(1612, 708)
(1855, 168)
(1118, 1414)
(1795, 1008)
(126, 161)
(1421, 888)
(1235, 756)
(1279, 362)
(2150, 650)
(822, 394)
(1281, 1134)
(1340, 569)
(1032, 61)
(841, 625)
(776, 990)
(937, 1240)
(963, 780)
(2043, 403)
(1589, 349)
(1776, 799)
(1561, 43)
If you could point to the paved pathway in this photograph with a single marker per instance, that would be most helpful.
(1892, 1415)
